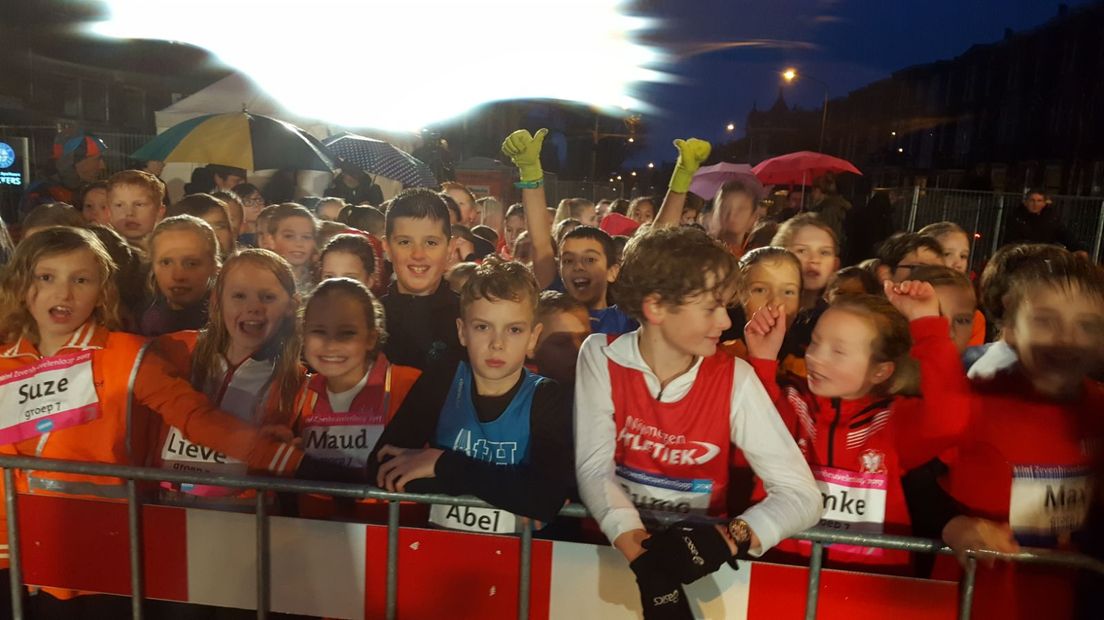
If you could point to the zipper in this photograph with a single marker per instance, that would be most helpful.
(832, 433)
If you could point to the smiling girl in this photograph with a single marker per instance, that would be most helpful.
(58, 308)
(246, 361)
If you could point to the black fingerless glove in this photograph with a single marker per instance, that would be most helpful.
(661, 596)
(689, 551)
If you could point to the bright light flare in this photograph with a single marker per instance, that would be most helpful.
(404, 64)
(789, 74)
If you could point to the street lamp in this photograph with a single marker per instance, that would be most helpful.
(651, 164)
(790, 75)
(730, 127)
(634, 173)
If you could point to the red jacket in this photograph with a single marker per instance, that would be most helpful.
(1026, 460)
(859, 449)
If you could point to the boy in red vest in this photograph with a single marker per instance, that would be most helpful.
(656, 413)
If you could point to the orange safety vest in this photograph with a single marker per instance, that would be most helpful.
(130, 382)
(178, 348)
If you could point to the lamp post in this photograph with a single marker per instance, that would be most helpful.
(790, 75)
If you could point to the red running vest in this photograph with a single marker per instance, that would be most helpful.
(674, 456)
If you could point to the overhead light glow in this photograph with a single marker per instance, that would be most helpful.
(417, 63)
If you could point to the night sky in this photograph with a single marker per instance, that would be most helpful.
(854, 42)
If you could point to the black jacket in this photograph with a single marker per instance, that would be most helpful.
(1046, 226)
(421, 331)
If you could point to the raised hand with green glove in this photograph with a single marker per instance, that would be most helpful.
(524, 150)
(692, 153)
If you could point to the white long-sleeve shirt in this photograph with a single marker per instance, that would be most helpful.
(793, 502)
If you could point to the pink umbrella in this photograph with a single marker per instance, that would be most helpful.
(799, 168)
(708, 179)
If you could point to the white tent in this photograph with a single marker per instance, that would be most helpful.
(237, 92)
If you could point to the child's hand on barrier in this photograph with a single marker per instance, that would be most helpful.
(692, 153)
(913, 299)
(524, 150)
(281, 433)
(401, 465)
(689, 551)
(964, 533)
(765, 331)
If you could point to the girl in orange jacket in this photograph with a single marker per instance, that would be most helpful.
(74, 389)
(246, 361)
(356, 390)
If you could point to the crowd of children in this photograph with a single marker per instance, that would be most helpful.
(641, 358)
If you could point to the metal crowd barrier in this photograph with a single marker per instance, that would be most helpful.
(819, 537)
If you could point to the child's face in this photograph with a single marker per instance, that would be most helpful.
(1058, 334)
(956, 251)
(95, 209)
(133, 212)
(295, 241)
(817, 252)
(469, 212)
(514, 225)
(772, 283)
(183, 267)
(64, 291)
(694, 328)
(499, 334)
(419, 250)
(736, 215)
(254, 306)
(218, 221)
(689, 216)
(585, 271)
(337, 339)
(562, 335)
(345, 265)
(838, 359)
(644, 212)
(251, 208)
(589, 216)
(957, 303)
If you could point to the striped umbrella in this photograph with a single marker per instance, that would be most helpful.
(380, 158)
(238, 139)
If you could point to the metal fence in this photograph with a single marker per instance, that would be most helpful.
(983, 214)
(818, 537)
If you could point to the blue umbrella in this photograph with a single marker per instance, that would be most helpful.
(380, 158)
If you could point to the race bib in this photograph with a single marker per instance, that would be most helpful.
(49, 395)
(469, 519)
(650, 491)
(182, 455)
(1048, 504)
(347, 445)
(853, 502)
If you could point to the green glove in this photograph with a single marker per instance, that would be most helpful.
(692, 153)
(524, 150)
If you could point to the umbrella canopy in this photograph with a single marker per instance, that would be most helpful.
(708, 179)
(238, 139)
(799, 168)
(380, 158)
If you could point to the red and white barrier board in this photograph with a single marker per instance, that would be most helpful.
(338, 570)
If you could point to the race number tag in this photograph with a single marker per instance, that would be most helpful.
(340, 439)
(469, 519)
(182, 455)
(49, 395)
(853, 502)
(1048, 504)
(650, 491)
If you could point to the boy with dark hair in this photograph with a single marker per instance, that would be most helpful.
(661, 406)
(565, 324)
(903, 252)
(421, 309)
(495, 430)
(587, 265)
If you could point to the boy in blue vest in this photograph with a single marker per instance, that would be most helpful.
(493, 429)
